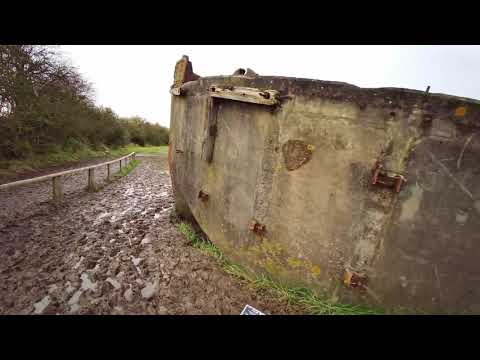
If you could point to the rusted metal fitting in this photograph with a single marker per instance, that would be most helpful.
(265, 95)
(353, 279)
(381, 176)
(257, 228)
(183, 74)
(215, 88)
(244, 94)
(177, 91)
(203, 196)
(427, 119)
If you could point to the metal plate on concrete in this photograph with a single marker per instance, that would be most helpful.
(250, 310)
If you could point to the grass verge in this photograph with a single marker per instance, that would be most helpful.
(127, 169)
(306, 298)
(150, 150)
(9, 169)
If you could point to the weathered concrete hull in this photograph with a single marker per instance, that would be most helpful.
(303, 172)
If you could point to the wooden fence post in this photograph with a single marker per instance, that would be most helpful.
(91, 179)
(57, 189)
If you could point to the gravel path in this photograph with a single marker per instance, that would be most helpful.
(114, 251)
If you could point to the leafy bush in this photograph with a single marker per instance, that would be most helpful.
(46, 106)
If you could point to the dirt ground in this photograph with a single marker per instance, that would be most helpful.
(114, 251)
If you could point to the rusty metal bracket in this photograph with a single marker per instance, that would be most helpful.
(183, 74)
(203, 196)
(257, 228)
(427, 119)
(245, 94)
(388, 178)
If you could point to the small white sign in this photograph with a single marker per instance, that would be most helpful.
(249, 310)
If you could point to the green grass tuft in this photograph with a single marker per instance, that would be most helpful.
(306, 298)
(126, 169)
(9, 169)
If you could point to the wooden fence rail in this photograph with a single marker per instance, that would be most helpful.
(57, 189)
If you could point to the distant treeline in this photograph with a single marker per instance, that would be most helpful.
(46, 106)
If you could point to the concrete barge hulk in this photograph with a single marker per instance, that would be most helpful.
(369, 196)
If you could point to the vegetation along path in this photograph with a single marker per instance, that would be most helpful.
(114, 251)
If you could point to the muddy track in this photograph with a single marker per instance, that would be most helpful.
(33, 199)
(114, 251)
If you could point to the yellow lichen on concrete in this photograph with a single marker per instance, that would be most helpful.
(267, 248)
(271, 266)
(460, 111)
(212, 174)
(269, 256)
(305, 265)
(294, 263)
(315, 270)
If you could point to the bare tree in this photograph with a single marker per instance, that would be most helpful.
(27, 71)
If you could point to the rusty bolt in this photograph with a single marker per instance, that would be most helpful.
(398, 183)
(256, 227)
(203, 196)
(382, 176)
(376, 172)
(427, 119)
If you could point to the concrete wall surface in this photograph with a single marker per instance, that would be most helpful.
(289, 189)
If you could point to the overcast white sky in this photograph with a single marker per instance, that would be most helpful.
(135, 80)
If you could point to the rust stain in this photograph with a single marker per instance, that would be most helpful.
(170, 160)
(183, 72)
(203, 196)
(355, 280)
(427, 119)
(171, 167)
(296, 153)
(386, 177)
(257, 228)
